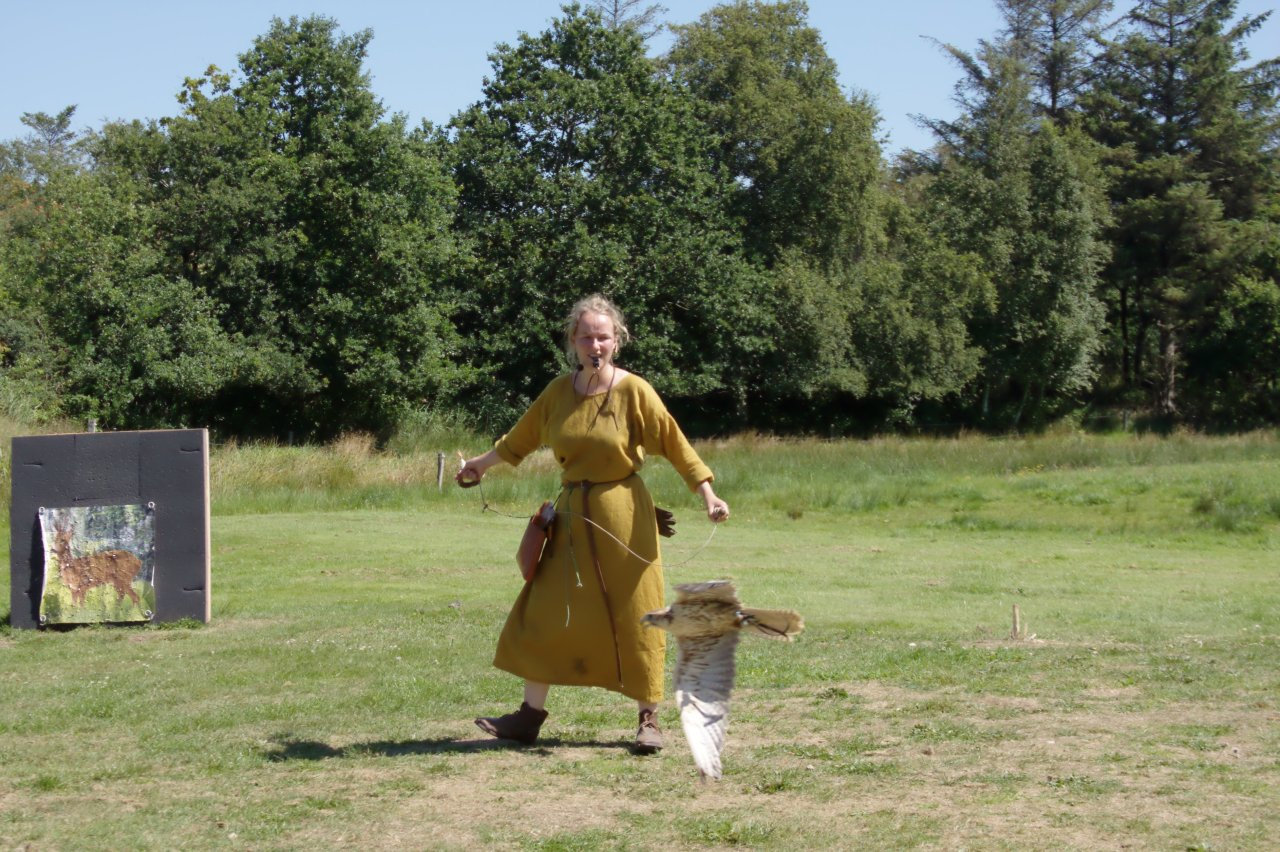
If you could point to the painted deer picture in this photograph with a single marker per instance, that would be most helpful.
(115, 568)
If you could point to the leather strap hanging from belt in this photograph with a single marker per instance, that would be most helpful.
(586, 485)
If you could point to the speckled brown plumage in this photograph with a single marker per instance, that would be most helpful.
(706, 620)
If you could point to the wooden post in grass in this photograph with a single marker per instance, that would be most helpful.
(440, 471)
(1019, 629)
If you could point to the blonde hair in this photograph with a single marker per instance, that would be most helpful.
(596, 303)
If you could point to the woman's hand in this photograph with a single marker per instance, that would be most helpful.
(467, 475)
(717, 509)
(472, 470)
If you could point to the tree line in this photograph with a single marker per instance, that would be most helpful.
(1098, 229)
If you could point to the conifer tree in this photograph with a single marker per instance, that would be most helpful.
(1191, 132)
(1055, 39)
(1010, 189)
(643, 17)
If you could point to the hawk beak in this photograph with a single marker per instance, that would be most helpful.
(656, 618)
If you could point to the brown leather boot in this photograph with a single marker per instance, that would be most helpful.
(521, 726)
(649, 735)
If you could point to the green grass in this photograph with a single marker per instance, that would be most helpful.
(356, 608)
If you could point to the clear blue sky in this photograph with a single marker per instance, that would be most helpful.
(126, 59)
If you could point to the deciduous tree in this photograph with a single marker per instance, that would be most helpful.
(803, 155)
(583, 170)
(319, 228)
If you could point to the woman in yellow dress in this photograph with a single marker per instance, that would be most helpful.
(577, 622)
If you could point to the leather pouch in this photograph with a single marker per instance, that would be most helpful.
(536, 536)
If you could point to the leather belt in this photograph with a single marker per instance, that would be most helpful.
(586, 485)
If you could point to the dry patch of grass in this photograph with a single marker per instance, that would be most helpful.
(906, 768)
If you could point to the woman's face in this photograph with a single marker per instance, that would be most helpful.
(594, 337)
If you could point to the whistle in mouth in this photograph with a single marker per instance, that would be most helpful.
(595, 361)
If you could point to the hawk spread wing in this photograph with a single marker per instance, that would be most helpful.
(715, 591)
(706, 620)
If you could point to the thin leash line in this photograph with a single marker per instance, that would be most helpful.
(686, 561)
(637, 555)
(485, 507)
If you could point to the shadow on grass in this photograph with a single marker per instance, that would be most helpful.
(285, 749)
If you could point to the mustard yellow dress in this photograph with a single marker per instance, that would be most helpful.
(573, 624)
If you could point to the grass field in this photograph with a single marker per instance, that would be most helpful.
(355, 611)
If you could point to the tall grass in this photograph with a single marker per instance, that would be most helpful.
(426, 430)
(787, 475)
(793, 476)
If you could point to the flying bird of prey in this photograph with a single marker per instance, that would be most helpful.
(706, 619)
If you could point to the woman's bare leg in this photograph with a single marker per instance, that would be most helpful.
(535, 694)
